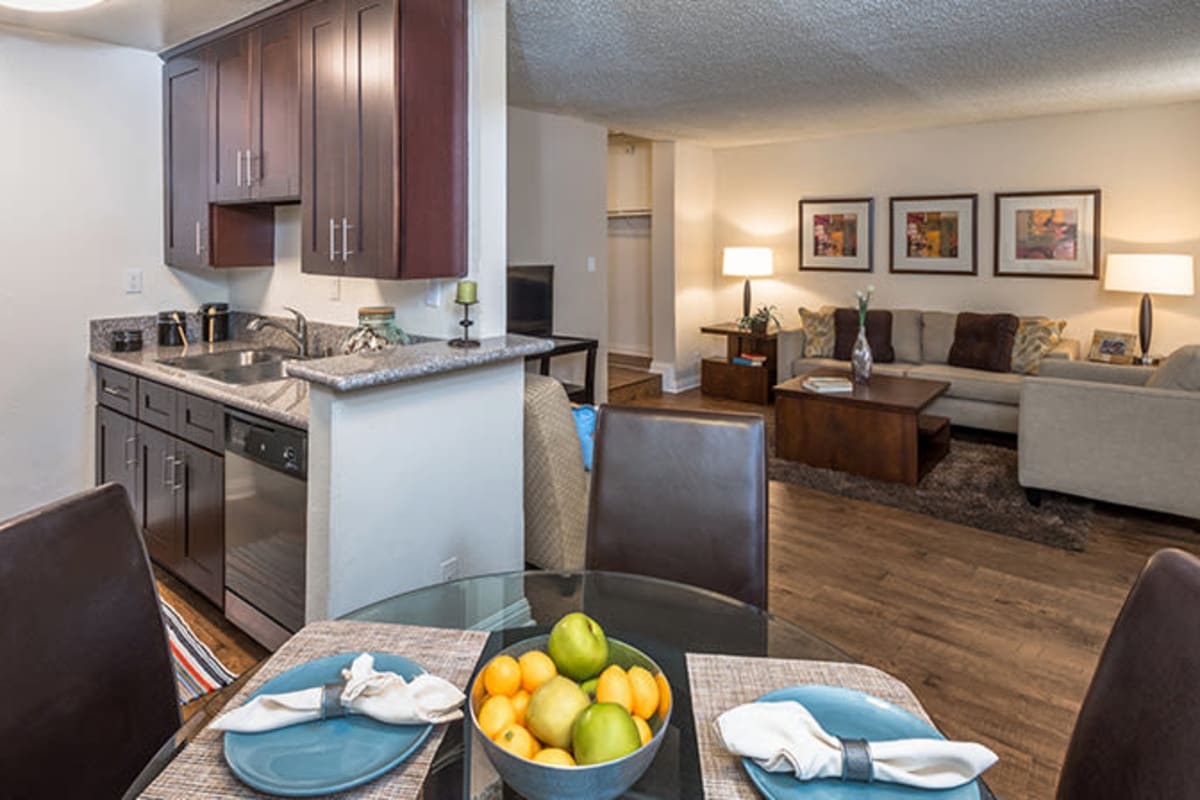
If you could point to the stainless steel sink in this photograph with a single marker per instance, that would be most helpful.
(235, 366)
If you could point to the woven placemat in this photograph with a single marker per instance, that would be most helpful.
(200, 770)
(718, 683)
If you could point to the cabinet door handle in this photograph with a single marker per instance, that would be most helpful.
(332, 241)
(176, 481)
(345, 239)
(131, 461)
(249, 167)
(109, 390)
(239, 167)
(168, 465)
(199, 245)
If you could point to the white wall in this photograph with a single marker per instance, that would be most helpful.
(629, 248)
(1145, 160)
(695, 268)
(557, 168)
(80, 203)
(338, 299)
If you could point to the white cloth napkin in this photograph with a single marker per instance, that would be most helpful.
(784, 737)
(384, 696)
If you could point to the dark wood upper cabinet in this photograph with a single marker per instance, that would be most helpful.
(229, 119)
(185, 154)
(274, 173)
(383, 138)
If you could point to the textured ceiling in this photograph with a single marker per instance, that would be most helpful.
(742, 71)
(145, 24)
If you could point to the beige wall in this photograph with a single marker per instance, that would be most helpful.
(557, 175)
(630, 254)
(695, 268)
(1146, 161)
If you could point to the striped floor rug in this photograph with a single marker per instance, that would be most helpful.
(197, 670)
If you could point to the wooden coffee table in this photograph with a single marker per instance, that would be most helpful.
(877, 430)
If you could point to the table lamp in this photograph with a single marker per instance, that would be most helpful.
(747, 262)
(1149, 274)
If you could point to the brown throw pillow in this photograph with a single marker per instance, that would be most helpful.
(879, 334)
(984, 341)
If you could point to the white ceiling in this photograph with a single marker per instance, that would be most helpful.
(742, 71)
(145, 24)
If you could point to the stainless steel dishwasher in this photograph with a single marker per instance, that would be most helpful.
(266, 508)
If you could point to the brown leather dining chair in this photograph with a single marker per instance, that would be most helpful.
(1137, 731)
(86, 679)
(681, 495)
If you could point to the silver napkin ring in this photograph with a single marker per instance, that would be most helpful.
(331, 700)
(856, 761)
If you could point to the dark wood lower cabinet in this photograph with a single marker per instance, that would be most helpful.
(200, 520)
(117, 452)
(160, 522)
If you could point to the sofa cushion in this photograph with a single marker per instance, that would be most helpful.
(818, 332)
(803, 366)
(983, 341)
(1036, 337)
(937, 336)
(973, 384)
(906, 335)
(1180, 370)
(879, 334)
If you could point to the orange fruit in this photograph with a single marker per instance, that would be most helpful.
(496, 714)
(613, 687)
(554, 756)
(520, 702)
(664, 695)
(516, 740)
(502, 675)
(643, 729)
(645, 692)
(536, 669)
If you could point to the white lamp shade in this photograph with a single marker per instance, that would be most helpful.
(1147, 273)
(747, 262)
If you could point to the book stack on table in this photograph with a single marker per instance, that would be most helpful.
(822, 385)
(749, 360)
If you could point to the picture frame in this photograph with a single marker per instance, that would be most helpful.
(837, 234)
(934, 235)
(1048, 234)
(1113, 347)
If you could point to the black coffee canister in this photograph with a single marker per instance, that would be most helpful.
(126, 341)
(172, 328)
(214, 322)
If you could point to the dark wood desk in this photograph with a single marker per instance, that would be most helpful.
(565, 345)
(720, 377)
(877, 430)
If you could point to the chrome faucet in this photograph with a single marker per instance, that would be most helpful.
(299, 336)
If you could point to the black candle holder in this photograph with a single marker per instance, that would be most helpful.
(466, 323)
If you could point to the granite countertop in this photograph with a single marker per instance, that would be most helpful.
(367, 370)
(284, 400)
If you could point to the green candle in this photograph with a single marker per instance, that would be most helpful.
(466, 292)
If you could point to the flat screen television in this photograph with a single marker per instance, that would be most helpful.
(531, 300)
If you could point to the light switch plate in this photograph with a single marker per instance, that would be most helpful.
(591, 263)
(433, 294)
(133, 281)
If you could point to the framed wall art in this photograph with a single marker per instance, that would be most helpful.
(934, 235)
(1048, 234)
(1112, 347)
(837, 235)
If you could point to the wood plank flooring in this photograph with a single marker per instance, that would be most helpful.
(997, 636)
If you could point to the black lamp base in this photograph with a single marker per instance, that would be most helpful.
(1145, 328)
(746, 298)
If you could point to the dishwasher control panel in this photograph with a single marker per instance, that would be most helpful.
(276, 446)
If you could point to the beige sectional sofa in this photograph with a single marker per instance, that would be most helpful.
(922, 340)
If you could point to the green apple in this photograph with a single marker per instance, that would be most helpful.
(604, 732)
(553, 709)
(589, 687)
(578, 647)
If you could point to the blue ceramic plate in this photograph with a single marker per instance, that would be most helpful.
(321, 757)
(852, 715)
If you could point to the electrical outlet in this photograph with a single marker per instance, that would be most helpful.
(133, 281)
(450, 569)
(591, 262)
(433, 294)
(335, 289)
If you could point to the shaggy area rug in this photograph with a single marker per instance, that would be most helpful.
(975, 485)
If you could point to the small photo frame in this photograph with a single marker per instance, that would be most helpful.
(1113, 347)
(837, 234)
(934, 235)
(1048, 234)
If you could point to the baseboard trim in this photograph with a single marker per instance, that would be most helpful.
(673, 383)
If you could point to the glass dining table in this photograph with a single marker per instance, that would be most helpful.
(664, 619)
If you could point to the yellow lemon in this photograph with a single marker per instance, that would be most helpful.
(645, 692)
(643, 729)
(516, 740)
(613, 687)
(536, 669)
(664, 695)
(496, 714)
(520, 702)
(502, 676)
(554, 756)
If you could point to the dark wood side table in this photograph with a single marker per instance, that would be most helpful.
(565, 345)
(877, 431)
(720, 377)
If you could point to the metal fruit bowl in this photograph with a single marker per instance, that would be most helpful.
(536, 781)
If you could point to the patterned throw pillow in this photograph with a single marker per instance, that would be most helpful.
(1036, 337)
(819, 332)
